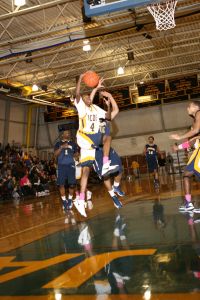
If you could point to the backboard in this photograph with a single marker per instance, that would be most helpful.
(100, 7)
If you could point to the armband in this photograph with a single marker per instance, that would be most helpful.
(184, 146)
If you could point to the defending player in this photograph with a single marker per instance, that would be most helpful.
(193, 165)
(106, 152)
(64, 151)
(107, 137)
(115, 160)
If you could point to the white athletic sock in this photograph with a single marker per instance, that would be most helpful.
(70, 197)
(89, 195)
(116, 184)
(112, 194)
(63, 198)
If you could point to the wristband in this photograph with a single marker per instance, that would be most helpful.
(184, 145)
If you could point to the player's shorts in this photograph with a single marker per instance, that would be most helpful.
(78, 171)
(193, 164)
(113, 157)
(66, 175)
(88, 141)
(152, 165)
(87, 157)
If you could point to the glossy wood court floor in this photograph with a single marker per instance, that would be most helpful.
(146, 250)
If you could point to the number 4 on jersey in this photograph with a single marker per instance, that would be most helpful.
(92, 127)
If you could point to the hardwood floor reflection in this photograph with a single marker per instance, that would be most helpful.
(26, 221)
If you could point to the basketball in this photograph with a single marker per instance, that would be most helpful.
(91, 79)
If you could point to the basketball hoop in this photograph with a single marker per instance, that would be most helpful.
(163, 14)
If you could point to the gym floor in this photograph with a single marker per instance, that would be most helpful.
(146, 250)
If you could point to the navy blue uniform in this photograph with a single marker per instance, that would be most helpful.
(113, 157)
(151, 157)
(105, 127)
(66, 164)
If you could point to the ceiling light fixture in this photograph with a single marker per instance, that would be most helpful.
(35, 88)
(120, 71)
(19, 2)
(86, 46)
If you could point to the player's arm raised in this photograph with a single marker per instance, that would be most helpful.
(99, 86)
(115, 108)
(108, 112)
(194, 130)
(78, 88)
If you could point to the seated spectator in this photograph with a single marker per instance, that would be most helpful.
(27, 159)
(16, 192)
(26, 186)
(16, 181)
(44, 182)
(52, 171)
(4, 190)
(162, 163)
(35, 181)
(18, 170)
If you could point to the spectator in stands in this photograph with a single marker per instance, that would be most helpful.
(26, 159)
(13, 170)
(52, 170)
(44, 179)
(169, 163)
(7, 148)
(16, 192)
(135, 166)
(162, 163)
(26, 186)
(18, 170)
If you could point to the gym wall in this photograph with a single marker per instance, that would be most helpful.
(132, 127)
(13, 122)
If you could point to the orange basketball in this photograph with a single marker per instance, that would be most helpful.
(91, 79)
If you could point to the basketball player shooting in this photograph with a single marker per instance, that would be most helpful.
(88, 138)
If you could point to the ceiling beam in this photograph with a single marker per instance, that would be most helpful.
(34, 8)
(114, 57)
(74, 44)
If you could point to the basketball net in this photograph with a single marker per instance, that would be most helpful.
(163, 14)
